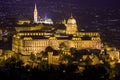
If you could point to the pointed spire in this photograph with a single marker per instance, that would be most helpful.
(71, 15)
(35, 7)
(35, 14)
(45, 16)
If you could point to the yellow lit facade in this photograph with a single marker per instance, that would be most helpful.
(24, 21)
(71, 26)
(31, 28)
(114, 55)
(53, 59)
(33, 40)
(35, 14)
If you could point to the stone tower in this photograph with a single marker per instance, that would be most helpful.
(35, 15)
(71, 26)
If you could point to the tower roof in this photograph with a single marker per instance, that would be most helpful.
(35, 7)
(71, 20)
(71, 16)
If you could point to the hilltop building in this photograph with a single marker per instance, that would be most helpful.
(23, 21)
(35, 39)
(71, 26)
(38, 19)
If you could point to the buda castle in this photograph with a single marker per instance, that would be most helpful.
(44, 33)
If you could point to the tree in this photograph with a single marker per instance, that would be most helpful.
(49, 49)
(88, 61)
(32, 57)
(13, 62)
(73, 51)
(97, 72)
(62, 46)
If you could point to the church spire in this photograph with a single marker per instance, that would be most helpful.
(71, 15)
(35, 14)
(35, 7)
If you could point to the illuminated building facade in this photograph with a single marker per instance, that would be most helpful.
(23, 21)
(53, 59)
(35, 15)
(71, 26)
(37, 19)
(34, 39)
(114, 55)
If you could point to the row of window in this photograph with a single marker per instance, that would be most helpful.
(33, 48)
(30, 34)
(36, 43)
(89, 34)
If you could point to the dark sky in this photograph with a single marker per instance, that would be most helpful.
(52, 7)
(81, 3)
(91, 3)
(97, 3)
(100, 3)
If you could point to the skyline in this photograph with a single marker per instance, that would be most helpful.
(54, 8)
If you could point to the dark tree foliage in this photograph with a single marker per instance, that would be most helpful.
(49, 49)
(13, 69)
(95, 72)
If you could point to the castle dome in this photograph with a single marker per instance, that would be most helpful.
(71, 20)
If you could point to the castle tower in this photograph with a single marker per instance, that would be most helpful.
(71, 26)
(64, 22)
(35, 15)
(50, 57)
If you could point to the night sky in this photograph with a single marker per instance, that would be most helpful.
(53, 8)
(100, 3)
(81, 3)
(94, 3)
